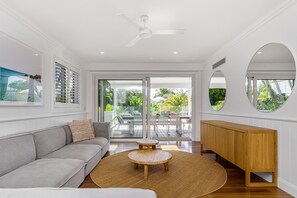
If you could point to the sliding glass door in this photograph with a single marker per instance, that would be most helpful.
(121, 103)
(170, 100)
(154, 107)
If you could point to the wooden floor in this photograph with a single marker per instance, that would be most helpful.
(234, 187)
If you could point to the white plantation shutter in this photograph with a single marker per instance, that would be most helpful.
(67, 85)
(74, 87)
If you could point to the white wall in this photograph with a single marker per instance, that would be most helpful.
(17, 119)
(118, 70)
(279, 27)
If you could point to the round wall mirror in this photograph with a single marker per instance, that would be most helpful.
(217, 90)
(270, 77)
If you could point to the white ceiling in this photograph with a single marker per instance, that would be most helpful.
(89, 26)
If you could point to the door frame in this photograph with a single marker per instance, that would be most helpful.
(143, 76)
(144, 101)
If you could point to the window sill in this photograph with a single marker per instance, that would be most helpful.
(66, 105)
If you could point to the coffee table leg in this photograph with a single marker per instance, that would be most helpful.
(154, 147)
(140, 147)
(166, 166)
(145, 172)
(135, 165)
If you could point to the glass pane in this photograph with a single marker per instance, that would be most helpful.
(273, 93)
(121, 105)
(20, 73)
(19, 87)
(171, 108)
(217, 90)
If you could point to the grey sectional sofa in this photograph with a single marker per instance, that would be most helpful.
(49, 158)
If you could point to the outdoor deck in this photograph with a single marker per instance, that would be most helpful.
(162, 134)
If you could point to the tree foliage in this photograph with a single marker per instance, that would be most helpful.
(107, 95)
(164, 93)
(19, 85)
(217, 97)
(134, 99)
(268, 99)
(176, 101)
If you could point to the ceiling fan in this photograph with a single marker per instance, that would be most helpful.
(145, 32)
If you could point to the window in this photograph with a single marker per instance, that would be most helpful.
(67, 85)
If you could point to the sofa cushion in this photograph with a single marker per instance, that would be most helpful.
(76, 151)
(49, 140)
(89, 153)
(81, 130)
(101, 141)
(15, 152)
(42, 173)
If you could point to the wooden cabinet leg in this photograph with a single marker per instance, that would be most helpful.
(247, 178)
(274, 178)
(201, 149)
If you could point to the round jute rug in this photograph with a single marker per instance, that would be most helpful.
(189, 175)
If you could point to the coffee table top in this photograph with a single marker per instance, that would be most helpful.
(149, 157)
(147, 142)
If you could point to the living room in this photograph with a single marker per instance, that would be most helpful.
(84, 60)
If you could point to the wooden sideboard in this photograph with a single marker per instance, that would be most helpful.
(253, 149)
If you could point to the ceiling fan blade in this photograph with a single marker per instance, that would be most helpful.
(134, 41)
(130, 20)
(169, 32)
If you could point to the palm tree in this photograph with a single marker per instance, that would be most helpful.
(177, 101)
(164, 93)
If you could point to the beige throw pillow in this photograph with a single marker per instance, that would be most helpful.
(91, 123)
(81, 130)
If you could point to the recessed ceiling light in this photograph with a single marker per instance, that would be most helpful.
(259, 52)
(36, 54)
(102, 52)
(175, 52)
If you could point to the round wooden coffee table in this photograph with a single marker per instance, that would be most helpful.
(148, 143)
(149, 157)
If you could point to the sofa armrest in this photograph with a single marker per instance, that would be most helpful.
(102, 129)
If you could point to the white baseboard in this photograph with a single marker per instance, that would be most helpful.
(287, 187)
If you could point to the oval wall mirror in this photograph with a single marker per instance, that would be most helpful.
(270, 77)
(217, 90)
